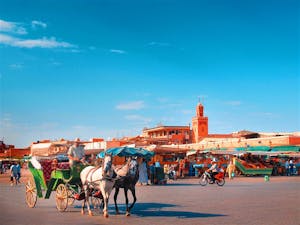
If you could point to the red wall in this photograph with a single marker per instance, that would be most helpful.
(294, 140)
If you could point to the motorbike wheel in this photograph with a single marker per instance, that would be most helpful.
(220, 182)
(203, 180)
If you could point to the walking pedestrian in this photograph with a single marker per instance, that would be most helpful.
(287, 169)
(291, 167)
(18, 172)
(143, 176)
(230, 170)
(13, 174)
(152, 173)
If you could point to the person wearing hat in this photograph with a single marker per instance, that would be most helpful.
(76, 154)
(213, 170)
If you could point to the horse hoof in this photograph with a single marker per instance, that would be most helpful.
(105, 215)
(90, 213)
(127, 213)
(82, 212)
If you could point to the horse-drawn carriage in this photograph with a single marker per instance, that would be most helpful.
(49, 175)
(50, 171)
(77, 183)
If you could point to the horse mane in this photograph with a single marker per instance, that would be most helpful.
(128, 174)
(133, 168)
(123, 170)
(107, 169)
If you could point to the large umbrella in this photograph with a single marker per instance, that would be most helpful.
(127, 151)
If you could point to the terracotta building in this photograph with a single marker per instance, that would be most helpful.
(199, 124)
(163, 135)
(166, 135)
(10, 152)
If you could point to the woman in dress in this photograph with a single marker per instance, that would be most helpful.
(143, 175)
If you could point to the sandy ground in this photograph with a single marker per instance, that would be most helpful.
(5, 178)
(25, 174)
(243, 200)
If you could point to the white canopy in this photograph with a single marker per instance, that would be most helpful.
(47, 149)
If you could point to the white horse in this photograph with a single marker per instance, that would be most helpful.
(100, 179)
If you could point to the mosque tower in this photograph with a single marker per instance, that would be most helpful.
(199, 124)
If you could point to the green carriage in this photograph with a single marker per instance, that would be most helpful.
(49, 175)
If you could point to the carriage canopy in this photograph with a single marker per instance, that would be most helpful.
(127, 151)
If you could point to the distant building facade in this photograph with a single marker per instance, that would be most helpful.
(163, 135)
(199, 124)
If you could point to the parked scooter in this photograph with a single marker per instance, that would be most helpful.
(293, 170)
(171, 175)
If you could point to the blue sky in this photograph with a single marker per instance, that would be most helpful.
(110, 68)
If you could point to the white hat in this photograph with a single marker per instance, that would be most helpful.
(77, 140)
(214, 160)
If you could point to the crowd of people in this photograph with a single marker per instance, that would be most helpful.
(290, 167)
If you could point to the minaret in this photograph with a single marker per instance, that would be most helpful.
(199, 124)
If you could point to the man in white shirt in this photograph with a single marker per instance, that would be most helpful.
(76, 154)
(213, 169)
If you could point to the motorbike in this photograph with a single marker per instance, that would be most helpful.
(293, 170)
(171, 175)
(206, 178)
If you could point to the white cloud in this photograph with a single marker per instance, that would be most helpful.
(131, 105)
(162, 100)
(16, 66)
(233, 103)
(34, 43)
(6, 121)
(35, 24)
(187, 112)
(138, 118)
(160, 44)
(268, 115)
(11, 27)
(118, 51)
(8, 31)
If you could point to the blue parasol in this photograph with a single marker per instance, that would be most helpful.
(127, 151)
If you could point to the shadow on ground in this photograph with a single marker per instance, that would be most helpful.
(178, 184)
(162, 210)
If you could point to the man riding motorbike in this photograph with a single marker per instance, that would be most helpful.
(213, 170)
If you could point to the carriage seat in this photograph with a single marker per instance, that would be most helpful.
(63, 166)
(47, 169)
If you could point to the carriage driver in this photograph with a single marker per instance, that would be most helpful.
(76, 154)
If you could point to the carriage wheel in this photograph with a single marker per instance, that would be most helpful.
(71, 198)
(61, 197)
(31, 192)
